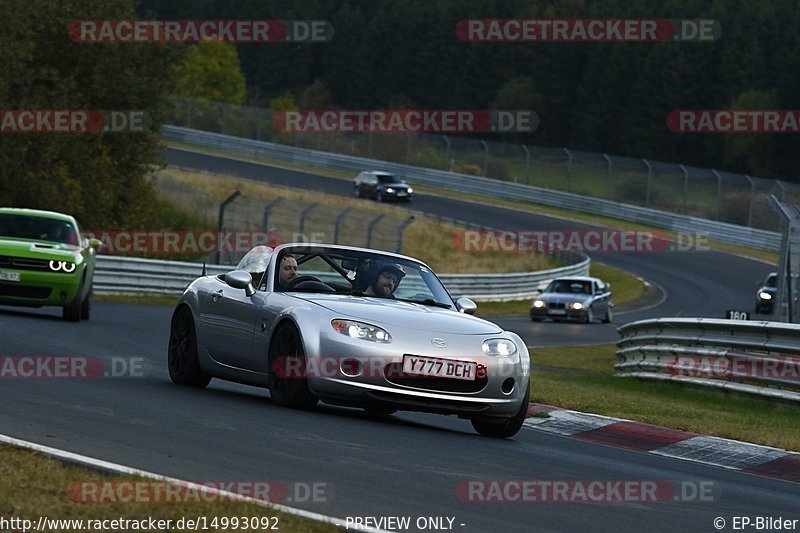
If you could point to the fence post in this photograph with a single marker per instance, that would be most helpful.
(370, 227)
(369, 143)
(752, 200)
(569, 170)
(188, 112)
(259, 116)
(339, 219)
(446, 150)
(267, 209)
(400, 231)
(220, 220)
(719, 192)
(779, 183)
(408, 147)
(303, 215)
(527, 164)
(224, 117)
(649, 179)
(485, 158)
(685, 189)
(610, 191)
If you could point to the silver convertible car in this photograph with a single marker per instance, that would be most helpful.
(578, 298)
(352, 327)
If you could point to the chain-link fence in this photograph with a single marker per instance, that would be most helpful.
(246, 221)
(786, 302)
(704, 193)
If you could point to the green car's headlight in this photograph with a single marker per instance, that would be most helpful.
(360, 330)
(66, 266)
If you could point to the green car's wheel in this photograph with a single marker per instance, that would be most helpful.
(184, 367)
(86, 306)
(72, 311)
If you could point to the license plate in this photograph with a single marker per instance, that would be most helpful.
(401, 193)
(557, 311)
(439, 368)
(9, 276)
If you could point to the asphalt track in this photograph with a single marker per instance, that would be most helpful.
(404, 465)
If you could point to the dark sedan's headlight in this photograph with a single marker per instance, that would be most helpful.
(410, 190)
(66, 266)
(764, 295)
(576, 306)
(538, 304)
(361, 330)
(390, 190)
(499, 347)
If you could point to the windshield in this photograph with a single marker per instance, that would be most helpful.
(386, 178)
(570, 286)
(771, 281)
(361, 274)
(38, 228)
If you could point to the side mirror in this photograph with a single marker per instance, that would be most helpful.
(465, 305)
(239, 279)
(95, 244)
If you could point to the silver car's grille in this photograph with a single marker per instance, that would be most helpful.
(394, 374)
(25, 263)
(557, 305)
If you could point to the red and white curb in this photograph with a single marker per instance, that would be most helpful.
(726, 453)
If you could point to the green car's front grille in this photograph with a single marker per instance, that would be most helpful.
(20, 291)
(25, 263)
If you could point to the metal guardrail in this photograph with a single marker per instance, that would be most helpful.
(754, 357)
(718, 231)
(127, 275)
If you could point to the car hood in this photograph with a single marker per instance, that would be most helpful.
(386, 312)
(38, 249)
(396, 185)
(563, 297)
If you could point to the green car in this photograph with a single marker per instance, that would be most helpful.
(44, 260)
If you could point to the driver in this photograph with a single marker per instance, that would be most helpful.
(287, 270)
(385, 281)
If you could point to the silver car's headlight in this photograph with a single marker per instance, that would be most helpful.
(577, 306)
(538, 304)
(499, 347)
(360, 330)
(765, 295)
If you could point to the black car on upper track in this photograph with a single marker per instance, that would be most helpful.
(382, 186)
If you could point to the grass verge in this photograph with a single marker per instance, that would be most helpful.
(35, 485)
(708, 412)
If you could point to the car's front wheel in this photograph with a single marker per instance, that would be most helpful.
(182, 361)
(288, 383)
(86, 306)
(379, 196)
(609, 315)
(357, 191)
(72, 311)
(506, 428)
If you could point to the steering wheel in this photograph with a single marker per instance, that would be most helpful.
(298, 280)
